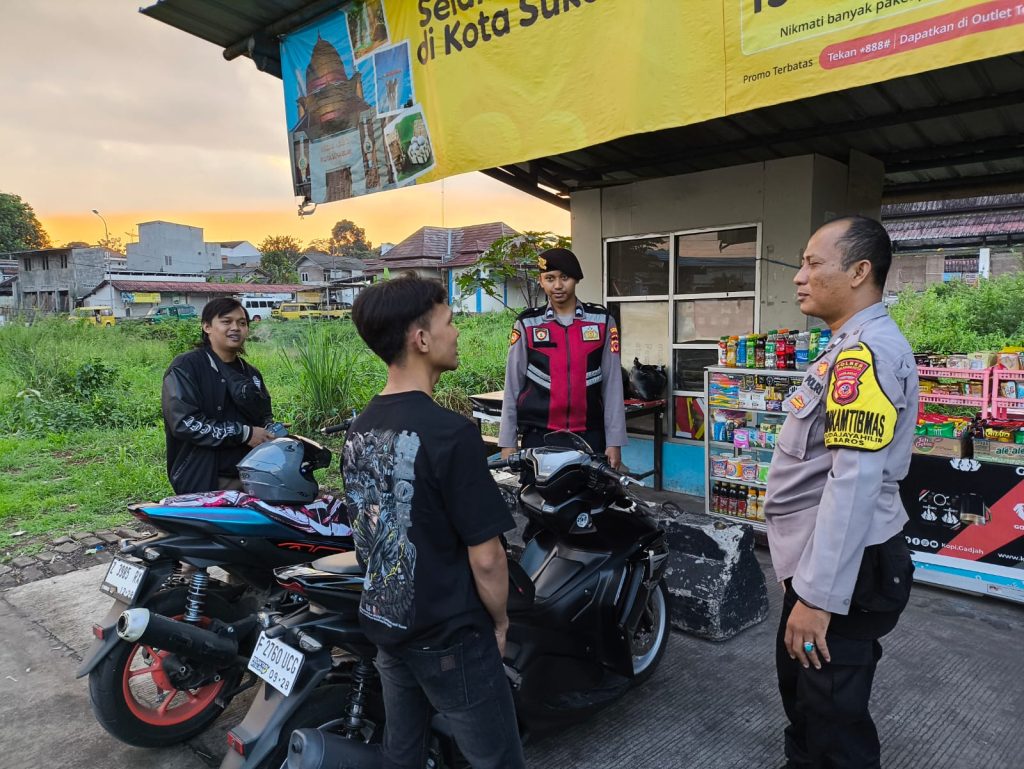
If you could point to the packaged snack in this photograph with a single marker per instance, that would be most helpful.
(927, 386)
(1010, 360)
(1020, 389)
(982, 360)
(741, 438)
(748, 470)
(958, 361)
(762, 471)
(1008, 389)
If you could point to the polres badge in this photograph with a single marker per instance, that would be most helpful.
(541, 334)
(846, 374)
(592, 333)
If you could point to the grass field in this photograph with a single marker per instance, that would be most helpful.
(80, 408)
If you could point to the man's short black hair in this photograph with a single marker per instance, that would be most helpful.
(865, 239)
(217, 308)
(384, 313)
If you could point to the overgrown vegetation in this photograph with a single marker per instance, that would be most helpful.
(80, 407)
(958, 318)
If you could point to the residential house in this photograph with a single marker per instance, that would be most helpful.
(343, 275)
(444, 253)
(133, 297)
(57, 279)
(943, 240)
(236, 252)
(170, 247)
(238, 273)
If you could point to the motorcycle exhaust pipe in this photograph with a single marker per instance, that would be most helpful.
(143, 626)
(314, 749)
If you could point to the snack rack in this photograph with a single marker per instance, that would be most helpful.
(1001, 404)
(756, 412)
(981, 402)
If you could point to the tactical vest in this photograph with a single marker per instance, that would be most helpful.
(563, 372)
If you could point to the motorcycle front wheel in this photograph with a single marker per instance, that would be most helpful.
(133, 697)
(650, 637)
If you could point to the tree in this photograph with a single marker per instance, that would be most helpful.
(347, 239)
(279, 254)
(76, 244)
(511, 258)
(19, 228)
(112, 243)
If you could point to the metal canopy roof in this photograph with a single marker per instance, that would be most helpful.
(944, 133)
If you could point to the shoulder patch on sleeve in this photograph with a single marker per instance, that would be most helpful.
(514, 337)
(858, 413)
(613, 338)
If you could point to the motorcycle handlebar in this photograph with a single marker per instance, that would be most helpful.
(338, 428)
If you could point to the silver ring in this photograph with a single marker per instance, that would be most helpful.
(808, 646)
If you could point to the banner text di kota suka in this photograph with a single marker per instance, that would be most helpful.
(464, 28)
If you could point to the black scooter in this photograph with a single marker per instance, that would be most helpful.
(588, 611)
(171, 651)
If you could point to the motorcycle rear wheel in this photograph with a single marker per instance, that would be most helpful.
(650, 638)
(132, 697)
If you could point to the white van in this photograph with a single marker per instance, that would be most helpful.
(258, 307)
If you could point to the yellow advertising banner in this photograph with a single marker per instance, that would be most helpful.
(385, 93)
(783, 50)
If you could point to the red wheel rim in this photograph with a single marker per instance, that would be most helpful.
(150, 695)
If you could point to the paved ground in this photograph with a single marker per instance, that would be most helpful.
(948, 694)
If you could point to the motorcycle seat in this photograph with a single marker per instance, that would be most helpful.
(340, 563)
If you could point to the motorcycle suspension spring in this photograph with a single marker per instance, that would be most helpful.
(196, 600)
(355, 707)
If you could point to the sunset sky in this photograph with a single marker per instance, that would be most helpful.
(108, 109)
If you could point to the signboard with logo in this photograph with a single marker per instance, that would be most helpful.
(385, 93)
(140, 297)
(966, 526)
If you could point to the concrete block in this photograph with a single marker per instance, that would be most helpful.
(109, 537)
(68, 548)
(23, 561)
(713, 576)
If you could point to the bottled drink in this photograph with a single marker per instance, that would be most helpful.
(730, 499)
(741, 501)
(769, 350)
(751, 350)
(791, 350)
(760, 504)
(812, 343)
(826, 337)
(723, 345)
(716, 498)
(759, 351)
(803, 340)
(751, 502)
(730, 353)
(741, 351)
(780, 348)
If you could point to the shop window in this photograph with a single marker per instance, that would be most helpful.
(638, 267)
(716, 262)
(689, 417)
(688, 367)
(643, 331)
(706, 320)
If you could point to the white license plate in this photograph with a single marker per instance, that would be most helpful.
(123, 579)
(276, 663)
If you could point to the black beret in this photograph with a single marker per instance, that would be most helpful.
(561, 260)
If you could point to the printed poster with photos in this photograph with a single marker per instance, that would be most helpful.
(355, 126)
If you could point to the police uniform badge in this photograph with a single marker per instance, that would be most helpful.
(858, 413)
(591, 333)
(613, 339)
(822, 368)
(541, 334)
(514, 337)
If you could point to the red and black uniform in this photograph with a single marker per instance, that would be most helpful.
(564, 376)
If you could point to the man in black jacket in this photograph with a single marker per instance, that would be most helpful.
(215, 405)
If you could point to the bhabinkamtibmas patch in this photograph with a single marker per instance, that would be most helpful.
(858, 413)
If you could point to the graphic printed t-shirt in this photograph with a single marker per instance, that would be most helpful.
(419, 494)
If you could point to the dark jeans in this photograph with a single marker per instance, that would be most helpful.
(466, 683)
(829, 723)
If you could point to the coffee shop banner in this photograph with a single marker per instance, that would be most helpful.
(385, 93)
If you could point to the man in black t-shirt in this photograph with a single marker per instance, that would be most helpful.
(426, 516)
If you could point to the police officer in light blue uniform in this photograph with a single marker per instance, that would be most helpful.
(833, 507)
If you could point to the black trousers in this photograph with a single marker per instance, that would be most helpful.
(829, 723)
